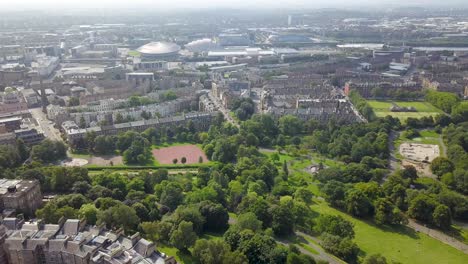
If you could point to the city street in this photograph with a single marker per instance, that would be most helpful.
(223, 110)
(46, 126)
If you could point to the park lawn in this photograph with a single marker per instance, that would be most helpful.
(400, 244)
(282, 157)
(212, 236)
(317, 158)
(180, 256)
(382, 109)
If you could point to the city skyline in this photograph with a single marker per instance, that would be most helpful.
(212, 4)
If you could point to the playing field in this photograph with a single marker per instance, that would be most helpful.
(382, 109)
(191, 152)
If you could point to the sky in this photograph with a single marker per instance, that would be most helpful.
(196, 4)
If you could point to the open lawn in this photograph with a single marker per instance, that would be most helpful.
(382, 109)
(400, 244)
(192, 153)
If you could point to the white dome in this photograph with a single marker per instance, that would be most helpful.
(159, 48)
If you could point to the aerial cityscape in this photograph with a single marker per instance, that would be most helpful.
(233, 132)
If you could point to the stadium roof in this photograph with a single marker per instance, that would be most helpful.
(156, 48)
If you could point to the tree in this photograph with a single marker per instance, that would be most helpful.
(357, 203)
(442, 100)
(118, 216)
(49, 151)
(285, 169)
(334, 193)
(81, 187)
(104, 145)
(256, 246)
(183, 160)
(74, 101)
(200, 159)
(441, 165)
(23, 150)
(249, 221)
(409, 172)
(119, 119)
(342, 248)
(375, 259)
(460, 112)
(216, 252)
(282, 220)
(304, 194)
(139, 152)
(82, 122)
(335, 225)
(290, 125)
(442, 217)
(174, 161)
(184, 236)
(51, 213)
(216, 216)
(172, 196)
(387, 213)
(157, 231)
(422, 208)
(88, 212)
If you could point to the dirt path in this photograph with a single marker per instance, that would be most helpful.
(436, 234)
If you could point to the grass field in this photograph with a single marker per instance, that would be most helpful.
(382, 109)
(134, 53)
(400, 244)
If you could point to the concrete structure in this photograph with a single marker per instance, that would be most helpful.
(12, 101)
(73, 242)
(30, 136)
(45, 66)
(201, 121)
(8, 139)
(159, 50)
(234, 40)
(11, 124)
(20, 195)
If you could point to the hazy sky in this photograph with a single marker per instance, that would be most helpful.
(194, 4)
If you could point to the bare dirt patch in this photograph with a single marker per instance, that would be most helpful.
(419, 152)
(419, 156)
(421, 167)
(75, 162)
(106, 160)
(191, 152)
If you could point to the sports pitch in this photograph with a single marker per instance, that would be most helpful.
(382, 109)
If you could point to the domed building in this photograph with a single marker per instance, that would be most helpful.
(159, 51)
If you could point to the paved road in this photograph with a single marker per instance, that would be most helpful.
(46, 126)
(223, 110)
(393, 162)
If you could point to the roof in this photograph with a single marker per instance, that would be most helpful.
(159, 48)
